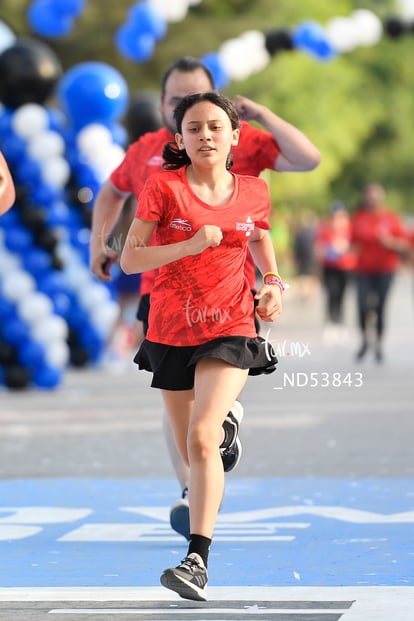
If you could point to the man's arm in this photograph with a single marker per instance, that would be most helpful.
(297, 152)
(105, 215)
(7, 191)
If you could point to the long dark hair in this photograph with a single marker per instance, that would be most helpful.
(174, 157)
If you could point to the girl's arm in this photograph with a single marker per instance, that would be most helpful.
(269, 296)
(138, 257)
(7, 191)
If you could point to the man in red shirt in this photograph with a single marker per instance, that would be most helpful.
(378, 237)
(279, 146)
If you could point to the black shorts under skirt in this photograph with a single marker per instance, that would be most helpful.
(173, 367)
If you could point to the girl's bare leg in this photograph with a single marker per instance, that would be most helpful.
(217, 385)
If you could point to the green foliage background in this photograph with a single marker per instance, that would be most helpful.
(358, 108)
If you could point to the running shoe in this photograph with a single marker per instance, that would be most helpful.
(231, 448)
(180, 515)
(188, 579)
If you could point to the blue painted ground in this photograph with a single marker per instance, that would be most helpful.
(271, 532)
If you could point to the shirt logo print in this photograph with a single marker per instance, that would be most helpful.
(247, 227)
(155, 160)
(181, 225)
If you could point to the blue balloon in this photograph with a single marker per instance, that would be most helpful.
(28, 172)
(220, 75)
(47, 377)
(7, 309)
(144, 17)
(9, 219)
(6, 116)
(119, 134)
(69, 7)
(37, 261)
(57, 120)
(31, 354)
(135, 46)
(77, 317)
(61, 304)
(14, 148)
(51, 283)
(58, 215)
(46, 21)
(311, 37)
(16, 331)
(18, 239)
(93, 92)
(44, 194)
(92, 341)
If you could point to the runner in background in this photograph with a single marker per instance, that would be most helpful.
(379, 238)
(336, 259)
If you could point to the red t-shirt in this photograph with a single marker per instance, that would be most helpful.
(204, 296)
(372, 256)
(257, 150)
(334, 244)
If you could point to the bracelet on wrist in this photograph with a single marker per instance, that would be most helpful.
(271, 278)
(274, 274)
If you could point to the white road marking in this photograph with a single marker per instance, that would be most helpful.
(205, 612)
(370, 603)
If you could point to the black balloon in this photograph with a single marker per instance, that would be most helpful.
(33, 218)
(143, 114)
(278, 40)
(16, 377)
(394, 27)
(7, 353)
(29, 72)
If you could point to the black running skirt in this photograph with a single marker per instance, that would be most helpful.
(173, 367)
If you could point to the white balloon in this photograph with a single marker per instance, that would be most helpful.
(56, 171)
(406, 9)
(46, 145)
(93, 138)
(65, 252)
(255, 52)
(341, 34)
(77, 276)
(7, 37)
(52, 328)
(94, 296)
(57, 354)
(29, 120)
(105, 317)
(172, 10)
(17, 284)
(368, 27)
(8, 262)
(34, 307)
(231, 54)
(108, 161)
